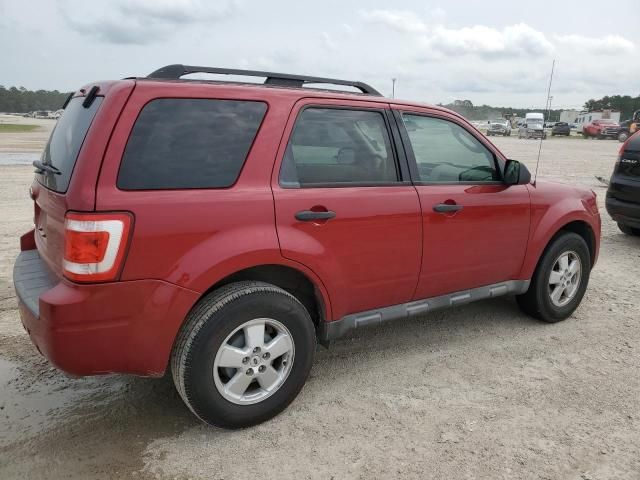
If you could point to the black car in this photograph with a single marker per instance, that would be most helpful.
(561, 128)
(623, 195)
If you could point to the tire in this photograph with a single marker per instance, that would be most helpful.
(211, 325)
(537, 301)
(626, 229)
(622, 136)
(585, 135)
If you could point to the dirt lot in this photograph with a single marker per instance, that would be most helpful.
(477, 392)
(23, 147)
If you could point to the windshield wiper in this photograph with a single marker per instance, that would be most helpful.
(45, 167)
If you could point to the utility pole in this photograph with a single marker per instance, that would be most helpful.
(393, 88)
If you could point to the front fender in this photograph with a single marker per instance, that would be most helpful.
(548, 217)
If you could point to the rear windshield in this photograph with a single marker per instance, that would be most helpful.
(65, 142)
(189, 143)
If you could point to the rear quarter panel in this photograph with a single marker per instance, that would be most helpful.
(194, 238)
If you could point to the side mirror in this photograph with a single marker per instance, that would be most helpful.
(516, 174)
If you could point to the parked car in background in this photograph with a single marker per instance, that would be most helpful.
(561, 128)
(623, 195)
(275, 230)
(533, 126)
(629, 127)
(499, 127)
(601, 129)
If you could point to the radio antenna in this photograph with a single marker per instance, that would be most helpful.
(548, 108)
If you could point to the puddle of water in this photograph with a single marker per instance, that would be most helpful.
(28, 408)
(19, 158)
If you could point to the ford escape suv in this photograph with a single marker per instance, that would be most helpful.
(221, 229)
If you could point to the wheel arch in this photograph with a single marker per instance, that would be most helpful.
(579, 227)
(290, 279)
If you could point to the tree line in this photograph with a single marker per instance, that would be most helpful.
(626, 104)
(21, 100)
(486, 112)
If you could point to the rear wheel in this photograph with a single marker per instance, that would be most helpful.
(629, 230)
(560, 279)
(243, 354)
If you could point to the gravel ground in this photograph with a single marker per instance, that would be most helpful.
(480, 391)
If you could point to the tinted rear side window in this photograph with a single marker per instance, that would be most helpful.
(189, 143)
(64, 144)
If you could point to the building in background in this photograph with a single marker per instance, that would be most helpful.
(585, 117)
(569, 116)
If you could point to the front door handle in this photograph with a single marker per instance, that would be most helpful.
(446, 208)
(310, 215)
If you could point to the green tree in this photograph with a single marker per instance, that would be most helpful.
(21, 100)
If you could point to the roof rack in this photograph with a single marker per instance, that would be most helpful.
(174, 72)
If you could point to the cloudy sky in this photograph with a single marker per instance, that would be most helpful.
(489, 51)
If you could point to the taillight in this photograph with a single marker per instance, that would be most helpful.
(94, 245)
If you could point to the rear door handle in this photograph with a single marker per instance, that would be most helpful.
(446, 208)
(310, 215)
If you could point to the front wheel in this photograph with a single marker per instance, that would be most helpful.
(243, 354)
(560, 279)
(622, 136)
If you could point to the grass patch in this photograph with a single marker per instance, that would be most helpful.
(16, 128)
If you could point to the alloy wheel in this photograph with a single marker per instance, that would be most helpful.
(564, 279)
(254, 361)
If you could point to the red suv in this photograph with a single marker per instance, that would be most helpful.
(220, 229)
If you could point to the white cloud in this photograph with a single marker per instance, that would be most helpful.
(329, 42)
(402, 21)
(480, 40)
(607, 45)
(141, 21)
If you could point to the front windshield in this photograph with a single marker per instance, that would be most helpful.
(534, 121)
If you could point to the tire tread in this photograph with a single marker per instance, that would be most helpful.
(196, 320)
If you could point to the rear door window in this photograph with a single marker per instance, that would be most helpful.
(338, 147)
(179, 143)
(65, 142)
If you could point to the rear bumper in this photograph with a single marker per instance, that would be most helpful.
(627, 213)
(119, 327)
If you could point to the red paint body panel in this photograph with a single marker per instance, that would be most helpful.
(110, 327)
(482, 244)
(554, 205)
(385, 246)
(369, 255)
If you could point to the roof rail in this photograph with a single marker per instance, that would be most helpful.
(174, 72)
